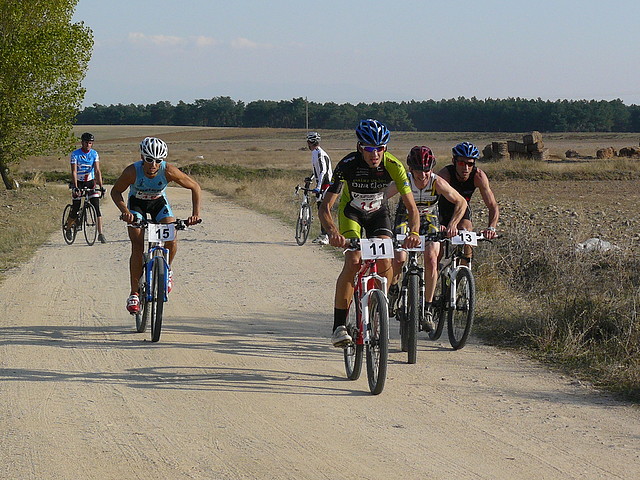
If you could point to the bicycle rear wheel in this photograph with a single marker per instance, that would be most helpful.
(413, 317)
(378, 347)
(439, 306)
(158, 289)
(90, 223)
(72, 231)
(461, 317)
(304, 224)
(353, 352)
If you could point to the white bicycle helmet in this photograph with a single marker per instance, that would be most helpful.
(313, 137)
(152, 147)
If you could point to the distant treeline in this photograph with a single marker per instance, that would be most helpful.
(453, 115)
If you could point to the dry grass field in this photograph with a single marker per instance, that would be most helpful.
(578, 312)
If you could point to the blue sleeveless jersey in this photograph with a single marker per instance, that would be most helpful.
(146, 188)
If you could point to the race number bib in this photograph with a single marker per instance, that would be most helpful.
(420, 248)
(367, 202)
(374, 248)
(161, 233)
(465, 238)
(148, 196)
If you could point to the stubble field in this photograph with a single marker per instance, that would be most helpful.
(535, 290)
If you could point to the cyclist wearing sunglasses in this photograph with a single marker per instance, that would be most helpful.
(147, 180)
(464, 176)
(427, 188)
(360, 180)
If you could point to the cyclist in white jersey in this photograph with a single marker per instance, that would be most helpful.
(146, 181)
(322, 173)
(85, 173)
(427, 188)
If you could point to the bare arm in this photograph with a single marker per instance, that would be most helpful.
(391, 190)
(98, 174)
(326, 219)
(412, 241)
(482, 183)
(174, 174)
(127, 178)
(74, 175)
(460, 204)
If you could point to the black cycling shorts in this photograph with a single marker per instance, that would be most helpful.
(351, 222)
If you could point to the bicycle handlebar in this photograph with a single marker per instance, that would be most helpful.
(144, 223)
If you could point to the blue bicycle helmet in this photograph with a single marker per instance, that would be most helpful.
(372, 132)
(466, 150)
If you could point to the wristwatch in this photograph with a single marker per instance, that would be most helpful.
(491, 229)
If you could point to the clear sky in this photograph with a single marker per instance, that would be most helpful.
(361, 51)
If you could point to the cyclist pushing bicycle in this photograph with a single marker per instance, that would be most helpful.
(147, 180)
(426, 188)
(360, 180)
(85, 173)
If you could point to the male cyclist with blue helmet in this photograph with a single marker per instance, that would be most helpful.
(464, 176)
(147, 180)
(360, 180)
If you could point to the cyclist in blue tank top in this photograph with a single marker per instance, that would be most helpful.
(147, 180)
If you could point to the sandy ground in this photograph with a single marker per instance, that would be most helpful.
(245, 385)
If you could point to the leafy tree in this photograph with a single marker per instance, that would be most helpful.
(43, 59)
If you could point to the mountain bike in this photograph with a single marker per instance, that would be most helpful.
(410, 302)
(455, 294)
(87, 219)
(368, 315)
(305, 215)
(155, 274)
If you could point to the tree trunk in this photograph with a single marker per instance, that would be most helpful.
(7, 178)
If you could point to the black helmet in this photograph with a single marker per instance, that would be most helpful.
(87, 137)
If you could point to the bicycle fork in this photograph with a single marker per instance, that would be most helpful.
(452, 274)
(156, 257)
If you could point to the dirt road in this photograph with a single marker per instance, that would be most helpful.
(245, 385)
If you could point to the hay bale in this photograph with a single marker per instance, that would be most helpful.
(486, 152)
(532, 137)
(499, 148)
(542, 156)
(629, 152)
(608, 152)
(535, 147)
(571, 154)
(516, 147)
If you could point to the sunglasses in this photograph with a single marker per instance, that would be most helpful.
(373, 149)
(151, 160)
(462, 163)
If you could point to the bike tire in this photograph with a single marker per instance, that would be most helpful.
(461, 317)
(378, 347)
(413, 317)
(439, 306)
(90, 223)
(65, 217)
(303, 225)
(401, 316)
(142, 317)
(353, 353)
(158, 289)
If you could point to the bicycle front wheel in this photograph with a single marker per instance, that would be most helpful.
(304, 224)
(378, 347)
(70, 235)
(461, 317)
(142, 317)
(158, 289)
(353, 352)
(439, 307)
(413, 317)
(90, 223)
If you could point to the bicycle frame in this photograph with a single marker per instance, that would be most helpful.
(364, 281)
(449, 267)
